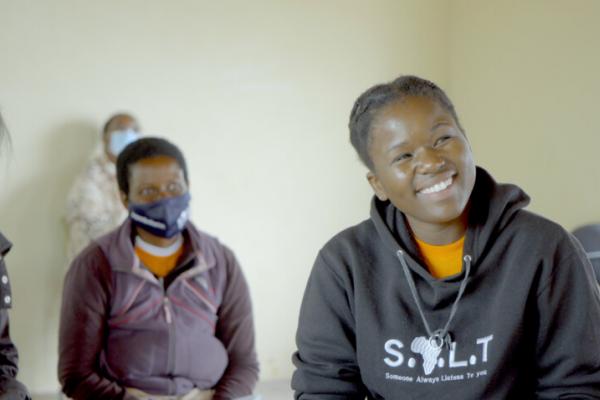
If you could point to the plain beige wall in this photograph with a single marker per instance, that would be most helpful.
(257, 93)
(525, 78)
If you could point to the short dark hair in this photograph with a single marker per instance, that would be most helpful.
(375, 98)
(144, 148)
(114, 117)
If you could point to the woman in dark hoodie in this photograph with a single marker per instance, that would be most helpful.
(10, 388)
(451, 290)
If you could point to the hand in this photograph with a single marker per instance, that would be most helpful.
(12, 389)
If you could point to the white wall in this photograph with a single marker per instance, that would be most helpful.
(257, 93)
(524, 76)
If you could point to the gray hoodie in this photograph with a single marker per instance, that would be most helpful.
(526, 327)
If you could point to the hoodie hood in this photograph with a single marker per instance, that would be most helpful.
(492, 204)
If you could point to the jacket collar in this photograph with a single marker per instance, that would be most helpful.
(118, 248)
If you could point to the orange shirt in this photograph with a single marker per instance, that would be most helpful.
(159, 261)
(442, 261)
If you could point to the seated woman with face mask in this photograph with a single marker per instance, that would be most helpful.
(156, 309)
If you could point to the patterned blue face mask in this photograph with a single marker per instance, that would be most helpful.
(165, 218)
(120, 139)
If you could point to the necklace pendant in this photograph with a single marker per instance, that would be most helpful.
(440, 339)
(429, 350)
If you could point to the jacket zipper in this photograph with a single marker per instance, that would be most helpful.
(166, 303)
(170, 335)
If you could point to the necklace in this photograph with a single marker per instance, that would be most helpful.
(441, 337)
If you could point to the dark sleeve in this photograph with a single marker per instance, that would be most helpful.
(235, 328)
(83, 327)
(9, 357)
(10, 387)
(568, 347)
(326, 366)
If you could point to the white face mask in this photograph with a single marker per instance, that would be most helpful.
(120, 139)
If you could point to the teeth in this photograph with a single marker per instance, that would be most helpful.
(438, 187)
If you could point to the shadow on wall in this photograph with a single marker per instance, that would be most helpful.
(33, 219)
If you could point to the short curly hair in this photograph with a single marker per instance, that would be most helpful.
(375, 98)
(144, 148)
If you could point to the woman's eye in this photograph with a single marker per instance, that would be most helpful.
(442, 140)
(146, 192)
(403, 157)
(175, 188)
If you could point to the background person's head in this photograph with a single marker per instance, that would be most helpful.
(118, 131)
(153, 181)
(408, 134)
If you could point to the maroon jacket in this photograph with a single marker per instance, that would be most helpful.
(122, 327)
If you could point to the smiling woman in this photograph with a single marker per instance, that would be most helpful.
(449, 280)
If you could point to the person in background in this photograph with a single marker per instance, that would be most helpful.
(10, 387)
(93, 203)
(451, 290)
(156, 309)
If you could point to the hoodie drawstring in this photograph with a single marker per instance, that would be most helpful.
(440, 337)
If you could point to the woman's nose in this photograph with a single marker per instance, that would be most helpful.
(429, 161)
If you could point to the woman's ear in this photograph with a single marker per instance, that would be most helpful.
(377, 187)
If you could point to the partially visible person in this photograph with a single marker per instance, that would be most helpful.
(10, 387)
(156, 309)
(589, 237)
(93, 203)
